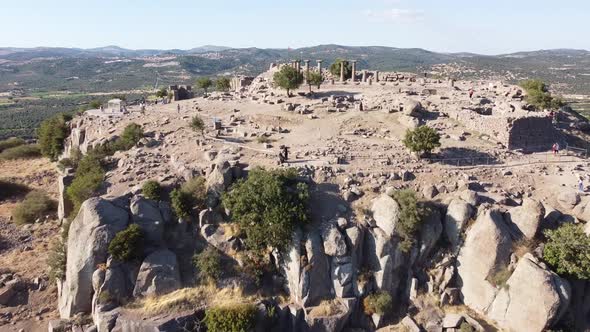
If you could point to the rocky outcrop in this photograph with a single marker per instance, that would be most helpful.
(220, 177)
(146, 213)
(430, 232)
(315, 276)
(486, 250)
(158, 274)
(64, 206)
(90, 233)
(527, 218)
(386, 213)
(568, 200)
(534, 298)
(458, 214)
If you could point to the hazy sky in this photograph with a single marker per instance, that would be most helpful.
(488, 27)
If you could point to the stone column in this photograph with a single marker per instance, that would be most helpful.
(353, 70)
(364, 75)
(376, 76)
(306, 70)
(320, 66)
(342, 71)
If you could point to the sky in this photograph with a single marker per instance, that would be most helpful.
(485, 27)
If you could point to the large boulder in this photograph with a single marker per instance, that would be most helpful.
(487, 248)
(533, 300)
(146, 213)
(158, 274)
(386, 213)
(291, 267)
(334, 244)
(220, 177)
(528, 217)
(90, 232)
(458, 213)
(64, 207)
(412, 107)
(333, 322)
(568, 200)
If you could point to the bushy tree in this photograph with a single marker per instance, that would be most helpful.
(28, 151)
(335, 69)
(52, 134)
(568, 251)
(208, 264)
(36, 205)
(223, 84)
(231, 318)
(422, 140)
(88, 179)
(204, 83)
(267, 206)
(410, 218)
(197, 124)
(95, 104)
(131, 135)
(11, 143)
(127, 245)
(314, 79)
(539, 96)
(163, 92)
(288, 78)
(377, 303)
(152, 189)
(190, 195)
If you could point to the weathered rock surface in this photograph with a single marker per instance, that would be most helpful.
(90, 233)
(487, 247)
(458, 213)
(533, 299)
(158, 274)
(386, 213)
(568, 200)
(146, 213)
(528, 217)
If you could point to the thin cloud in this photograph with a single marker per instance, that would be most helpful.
(395, 15)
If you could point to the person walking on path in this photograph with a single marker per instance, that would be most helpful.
(581, 184)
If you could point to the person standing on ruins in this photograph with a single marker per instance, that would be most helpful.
(178, 108)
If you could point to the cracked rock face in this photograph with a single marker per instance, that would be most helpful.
(533, 298)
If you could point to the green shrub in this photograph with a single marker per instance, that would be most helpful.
(410, 218)
(151, 189)
(21, 152)
(568, 251)
(72, 161)
(52, 134)
(288, 78)
(377, 303)
(539, 96)
(197, 124)
(422, 140)
(11, 143)
(88, 179)
(131, 135)
(191, 194)
(204, 83)
(223, 84)
(11, 189)
(163, 92)
(208, 264)
(56, 260)
(127, 245)
(500, 277)
(314, 79)
(231, 318)
(267, 206)
(36, 205)
(335, 69)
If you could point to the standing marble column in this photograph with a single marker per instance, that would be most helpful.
(376, 76)
(364, 75)
(352, 78)
(341, 71)
(306, 70)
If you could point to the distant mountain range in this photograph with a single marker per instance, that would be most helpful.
(113, 68)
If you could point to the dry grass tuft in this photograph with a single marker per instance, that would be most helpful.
(326, 308)
(189, 298)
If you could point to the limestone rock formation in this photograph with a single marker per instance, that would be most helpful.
(90, 232)
(146, 213)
